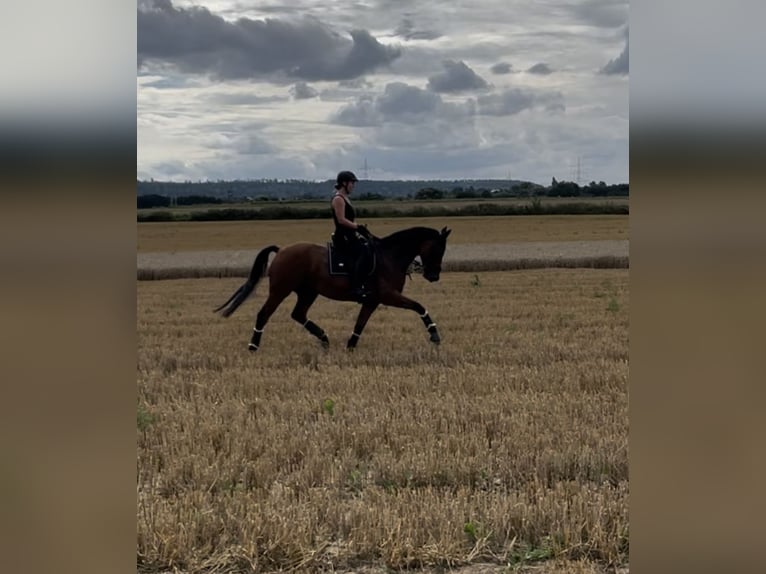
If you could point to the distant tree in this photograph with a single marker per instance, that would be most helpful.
(370, 196)
(594, 189)
(152, 200)
(197, 199)
(564, 189)
(429, 193)
(525, 189)
(621, 190)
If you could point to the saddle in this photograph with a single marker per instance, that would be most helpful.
(341, 263)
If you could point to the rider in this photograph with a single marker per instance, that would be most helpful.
(347, 232)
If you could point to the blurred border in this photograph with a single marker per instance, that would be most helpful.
(697, 249)
(67, 295)
(698, 280)
(697, 288)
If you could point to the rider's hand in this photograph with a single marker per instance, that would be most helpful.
(362, 230)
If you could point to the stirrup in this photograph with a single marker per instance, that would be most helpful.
(361, 295)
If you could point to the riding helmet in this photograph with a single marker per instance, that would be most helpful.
(345, 176)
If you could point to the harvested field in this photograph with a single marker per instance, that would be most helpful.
(507, 446)
(461, 257)
(188, 250)
(247, 235)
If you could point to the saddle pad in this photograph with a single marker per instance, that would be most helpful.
(338, 262)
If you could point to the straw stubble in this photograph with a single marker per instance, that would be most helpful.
(506, 444)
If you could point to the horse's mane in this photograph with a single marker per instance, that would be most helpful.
(408, 236)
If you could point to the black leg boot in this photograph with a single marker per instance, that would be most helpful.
(357, 281)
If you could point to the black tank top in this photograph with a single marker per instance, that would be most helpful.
(342, 230)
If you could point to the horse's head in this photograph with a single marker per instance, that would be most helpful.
(431, 254)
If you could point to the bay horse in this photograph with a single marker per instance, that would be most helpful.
(303, 268)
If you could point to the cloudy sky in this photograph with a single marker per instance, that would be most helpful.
(416, 89)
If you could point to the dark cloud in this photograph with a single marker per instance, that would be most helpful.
(513, 101)
(242, 99)
(399, 103)
(167, 83)
(501, 68)
(355, 84)
(621, 64)
(347, 89)
(439, 135)
(602, 13)
(400, 98)
(540, 69)
(421, 60)
(197, 41)
(457, 77)
(407, 30)
(243, 143)
(302, 91)
(361, 113)
(171, 169)
(252, 145)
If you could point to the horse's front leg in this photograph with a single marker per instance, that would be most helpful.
(396, 299)
(364, 315)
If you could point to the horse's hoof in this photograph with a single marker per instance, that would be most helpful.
(435, 339)
(325, 343)
(251, 347)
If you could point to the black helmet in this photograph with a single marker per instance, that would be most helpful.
(345, 176)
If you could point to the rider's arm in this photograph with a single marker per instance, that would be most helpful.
(340, 212)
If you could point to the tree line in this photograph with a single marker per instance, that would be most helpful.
(169, 194)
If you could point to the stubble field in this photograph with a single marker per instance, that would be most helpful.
(238, 235)
(507, 445)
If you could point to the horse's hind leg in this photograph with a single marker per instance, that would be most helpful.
(364, 315)
(305, 300)
(274, 300)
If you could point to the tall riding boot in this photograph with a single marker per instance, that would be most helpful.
(358, 289)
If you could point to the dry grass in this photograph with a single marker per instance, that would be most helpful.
(507, 445)
(236, 235)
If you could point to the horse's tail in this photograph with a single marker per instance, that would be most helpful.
(244, 291)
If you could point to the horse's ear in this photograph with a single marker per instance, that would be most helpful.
(445, 232)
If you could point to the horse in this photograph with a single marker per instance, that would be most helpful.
(303, 268)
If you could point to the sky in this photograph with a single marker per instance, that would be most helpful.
(390, 89)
